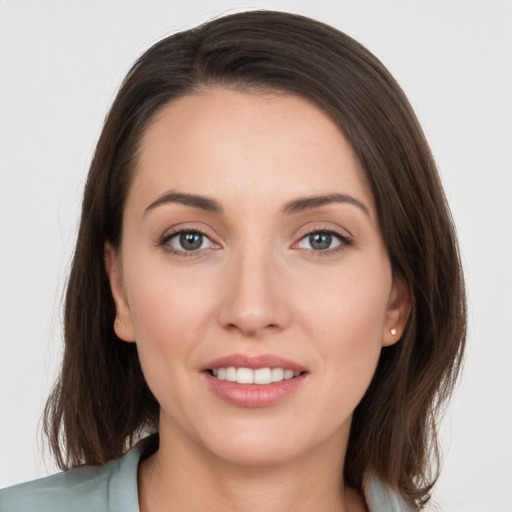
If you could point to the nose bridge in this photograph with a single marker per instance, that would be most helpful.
(252, 299)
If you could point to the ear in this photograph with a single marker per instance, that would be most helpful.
(397, 314)
(123, 325)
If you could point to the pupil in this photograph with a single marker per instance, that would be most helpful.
(191, 241)
(320, 241)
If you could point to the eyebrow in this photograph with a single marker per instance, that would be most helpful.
(203, 203)
(308, 203)
(294, 206)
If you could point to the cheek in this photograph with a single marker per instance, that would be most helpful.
(166, 302)
(349, 305)
(352, 335)
(171, 311)
(165, 312)
(347, 321)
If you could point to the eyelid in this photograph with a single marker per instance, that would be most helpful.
(169, 234)
(344, 237)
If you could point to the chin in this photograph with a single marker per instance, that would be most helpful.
(261, 443)
(255, 452)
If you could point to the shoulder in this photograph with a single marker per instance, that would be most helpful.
(381, 498)
(112, 487)
(78, 489)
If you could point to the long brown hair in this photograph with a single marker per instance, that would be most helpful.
(101, 403)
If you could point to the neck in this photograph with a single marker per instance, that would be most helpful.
(182, 476)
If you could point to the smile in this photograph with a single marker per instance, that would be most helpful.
(254, 381)
(257, 376)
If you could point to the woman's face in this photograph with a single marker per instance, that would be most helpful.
(251, 251)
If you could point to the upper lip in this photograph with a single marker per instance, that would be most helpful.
(254, 362)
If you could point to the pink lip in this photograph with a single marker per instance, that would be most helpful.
(254, 395)
(254, 362)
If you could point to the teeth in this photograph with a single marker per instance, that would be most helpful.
(262, 376)
(250, 376)
(288, 374)
(277, 374)
(244, 376)
(231, 374)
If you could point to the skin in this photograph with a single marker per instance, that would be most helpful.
(256, 286)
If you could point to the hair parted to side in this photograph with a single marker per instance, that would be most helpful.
(101, 403)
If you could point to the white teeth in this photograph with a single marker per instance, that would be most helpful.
(262, 376)
(244, 376)
(258, 376)
(277, 374)
(231, 374)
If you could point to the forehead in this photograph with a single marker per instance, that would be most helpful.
(248, 145)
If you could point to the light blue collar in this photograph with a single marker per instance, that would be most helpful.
(381, 498)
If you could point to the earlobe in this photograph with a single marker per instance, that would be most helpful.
(398, 311)
(123, 326)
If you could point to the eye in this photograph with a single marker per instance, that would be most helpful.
(323, 240)
(188, 241)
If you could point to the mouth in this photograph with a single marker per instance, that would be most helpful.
(254, 381)
(260, 376)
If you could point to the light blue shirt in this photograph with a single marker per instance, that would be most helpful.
(113, 488)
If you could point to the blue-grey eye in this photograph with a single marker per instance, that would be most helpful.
(320, 241)
(190, 241)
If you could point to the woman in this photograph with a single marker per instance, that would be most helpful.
(266, 278)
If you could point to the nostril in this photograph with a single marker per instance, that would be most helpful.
(251, 318)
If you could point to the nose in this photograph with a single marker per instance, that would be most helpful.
(254, 299)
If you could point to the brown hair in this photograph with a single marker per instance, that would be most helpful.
(101, 402)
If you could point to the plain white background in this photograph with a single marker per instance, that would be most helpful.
(60, 65)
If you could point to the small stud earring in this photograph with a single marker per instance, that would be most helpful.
(393, 331)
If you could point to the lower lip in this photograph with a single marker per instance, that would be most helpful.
(254, 395)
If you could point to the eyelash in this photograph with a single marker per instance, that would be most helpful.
(167, 237)
(345, 241)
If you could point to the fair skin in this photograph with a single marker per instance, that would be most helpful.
(224, 254)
